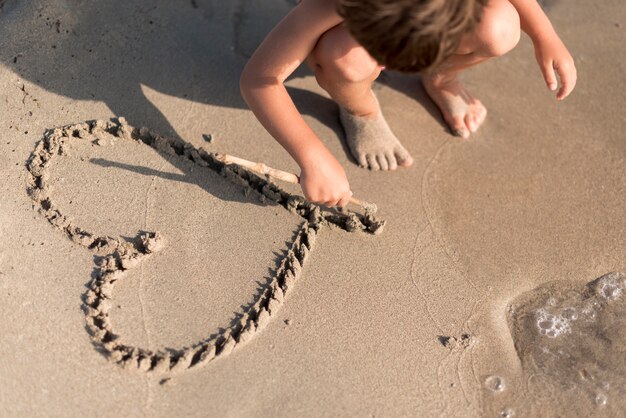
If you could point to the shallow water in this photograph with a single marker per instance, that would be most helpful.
(571, 341)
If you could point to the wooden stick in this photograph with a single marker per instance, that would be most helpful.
(259, 168)
(281, 175)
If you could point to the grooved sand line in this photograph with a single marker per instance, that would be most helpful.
(120, 254)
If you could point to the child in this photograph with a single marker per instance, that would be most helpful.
(348, 42)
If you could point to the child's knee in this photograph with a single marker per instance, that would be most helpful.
(499, 30)
(342, 58)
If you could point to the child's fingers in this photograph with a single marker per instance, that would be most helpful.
(547, 68)
(567, 74)
(343, 202)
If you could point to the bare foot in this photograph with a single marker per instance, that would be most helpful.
(463, 113)
(372, 143)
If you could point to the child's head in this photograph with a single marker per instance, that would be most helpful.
(410, 35)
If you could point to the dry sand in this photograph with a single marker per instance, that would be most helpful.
(488, 247)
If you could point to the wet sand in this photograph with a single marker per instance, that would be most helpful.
(460, 307)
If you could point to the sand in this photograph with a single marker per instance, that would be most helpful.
(116, 255)
(139, 277)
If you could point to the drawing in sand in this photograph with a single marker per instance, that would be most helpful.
(118, 254)
(496, 287)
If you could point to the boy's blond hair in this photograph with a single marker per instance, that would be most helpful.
(410, 35)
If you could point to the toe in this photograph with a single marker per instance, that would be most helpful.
(459, 127)
(475, 117)
(382, 162)
(403, 157)
(471, 122)
(372, 163)
(482, 114)
(391, 161)
(362, 161)
(479, 111)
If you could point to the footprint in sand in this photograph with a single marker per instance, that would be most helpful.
(117, 256)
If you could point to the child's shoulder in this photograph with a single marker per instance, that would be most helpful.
(294, 37)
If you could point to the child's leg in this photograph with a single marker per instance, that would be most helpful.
(346, 71)
(497, 33)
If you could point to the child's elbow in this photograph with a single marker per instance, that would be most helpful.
(251, 79)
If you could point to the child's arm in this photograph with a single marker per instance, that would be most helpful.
(550, 51)
(322, 178)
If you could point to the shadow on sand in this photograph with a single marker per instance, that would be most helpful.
(192, 49)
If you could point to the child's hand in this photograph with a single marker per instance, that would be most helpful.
(553, 56)
(325, 183)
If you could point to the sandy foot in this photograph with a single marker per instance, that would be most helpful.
(372, 143)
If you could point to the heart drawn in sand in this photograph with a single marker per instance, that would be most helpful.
(119, 255)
